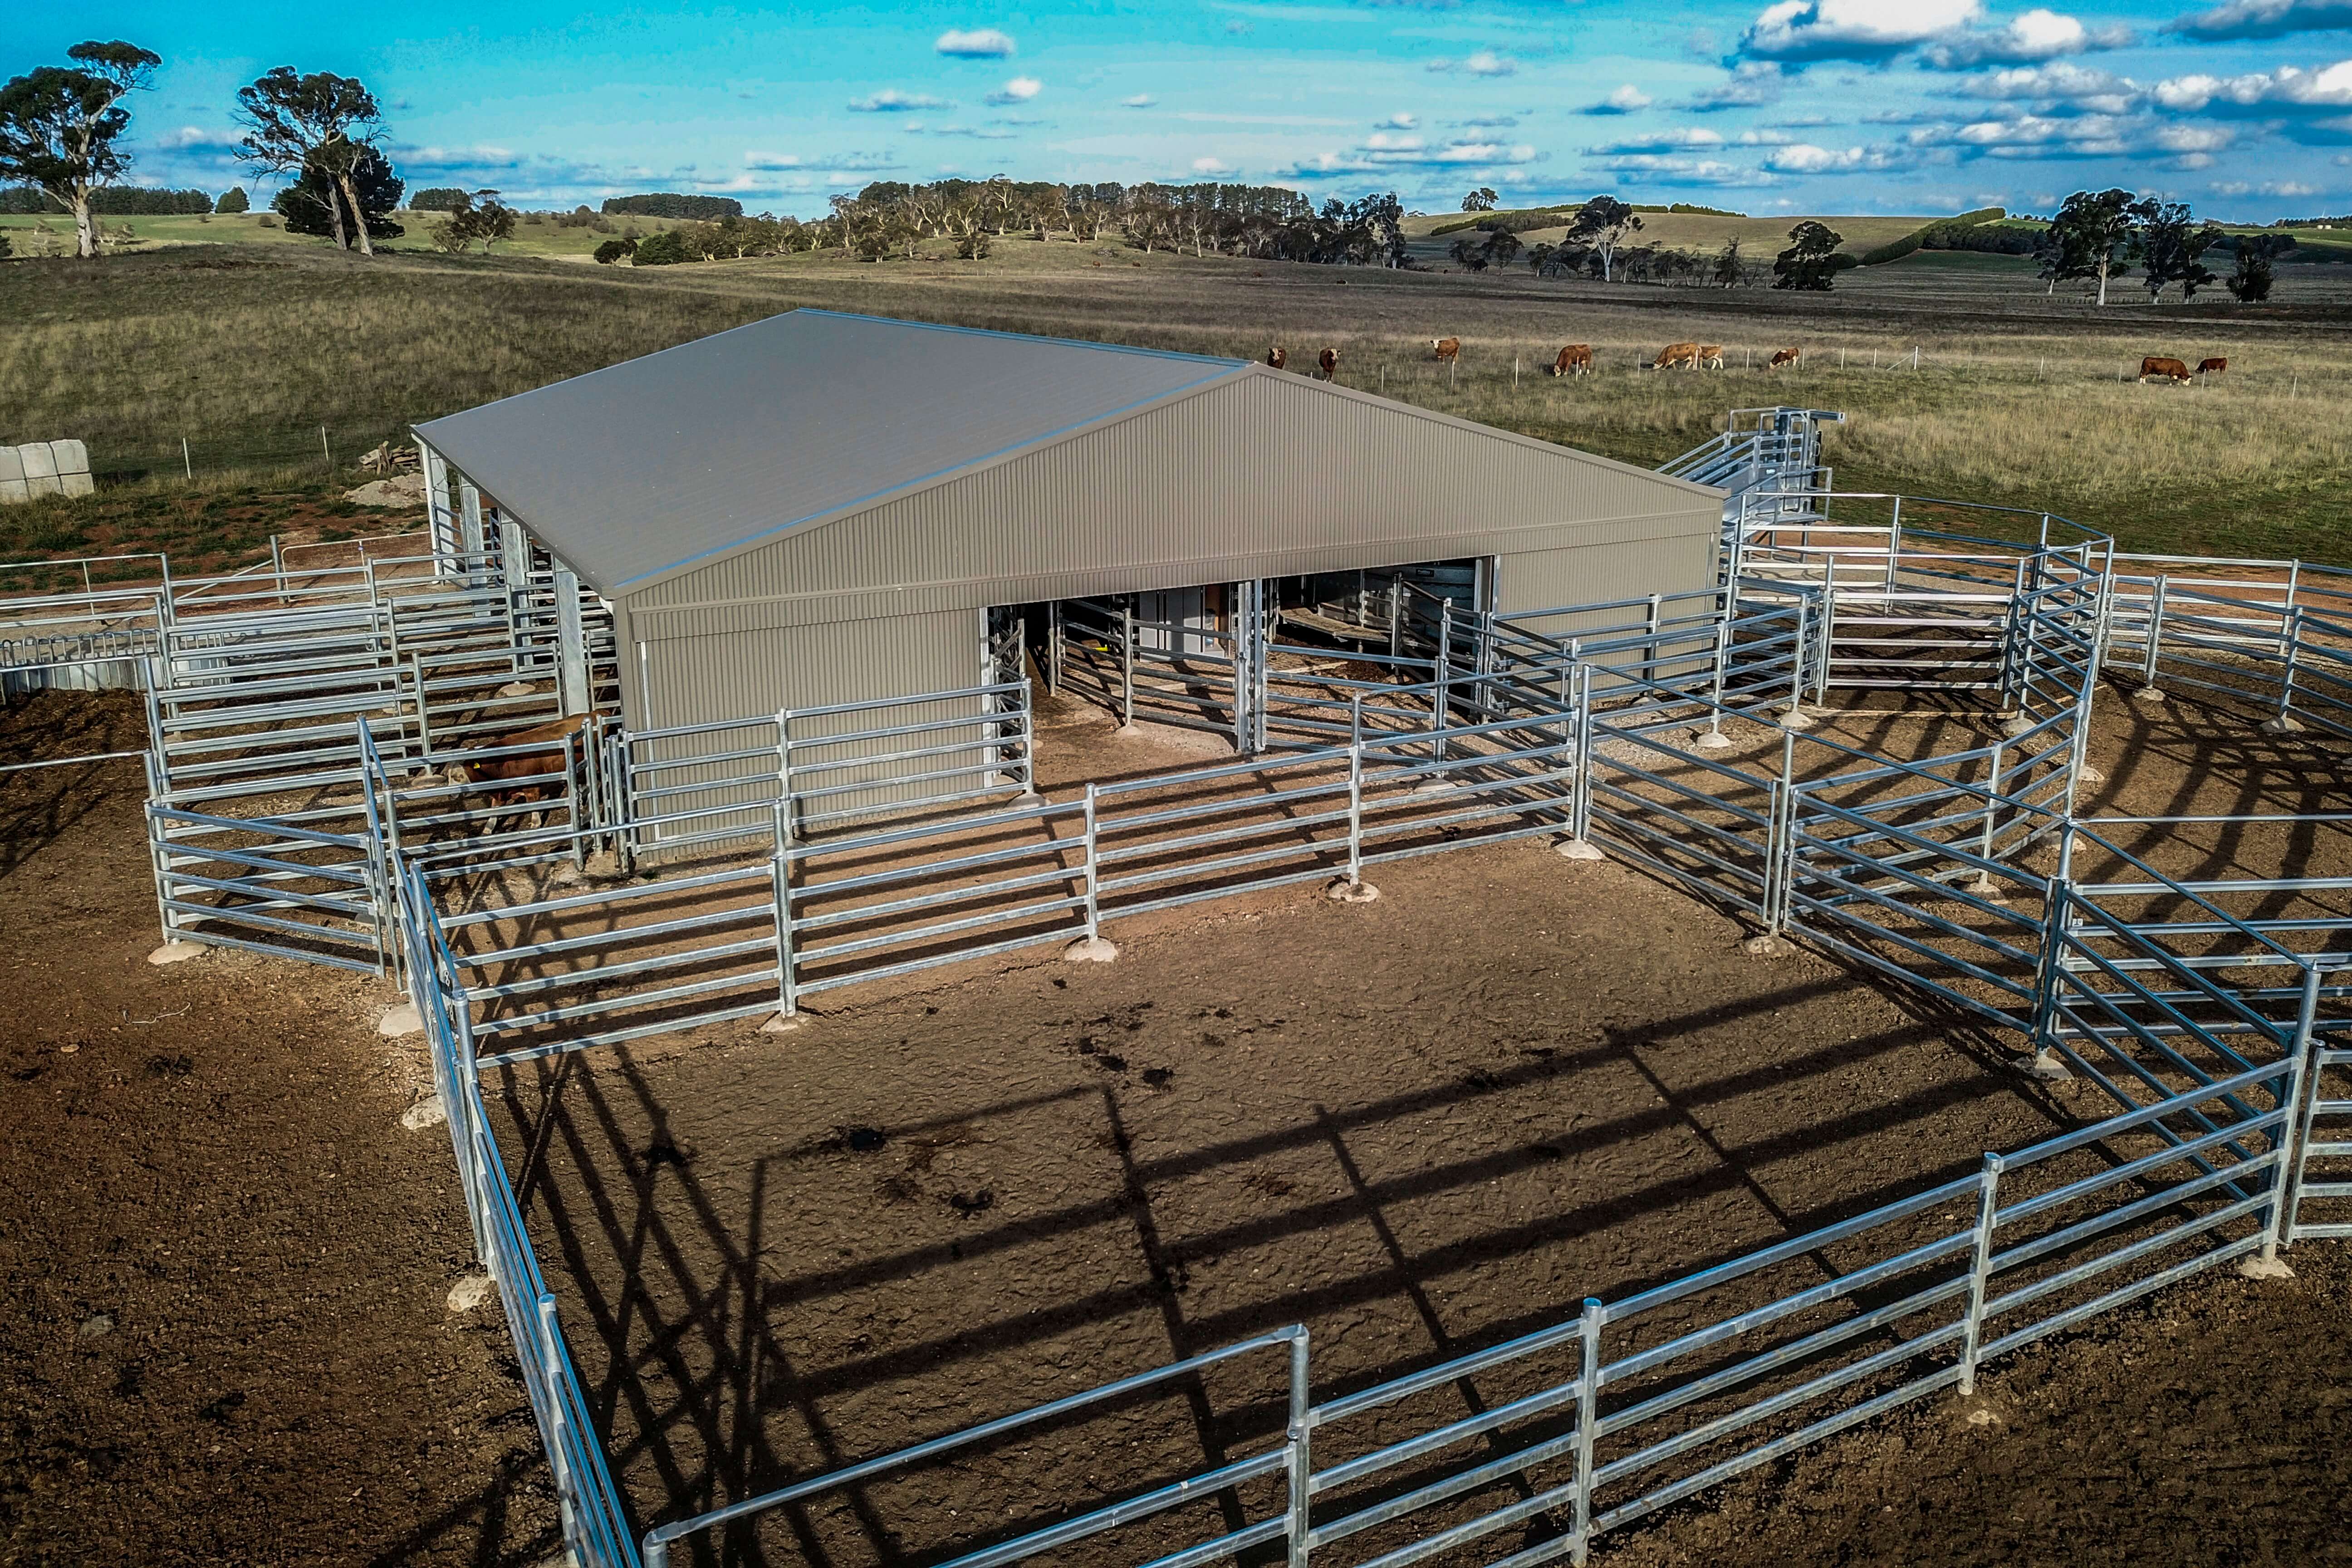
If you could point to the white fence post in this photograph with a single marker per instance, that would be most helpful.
(1298, 1459)
(787, 828)
(1355, 813)
(2287, 1144)
(1094, 866)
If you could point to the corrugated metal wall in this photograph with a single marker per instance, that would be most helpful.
(1260, 475)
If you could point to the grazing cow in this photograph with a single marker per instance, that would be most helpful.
(1277, 356)
(2171, 370)
(2211, 366)
(520, 778)
(1672, 354)
(1710, 357)
(1574, 360)
(1327, 364)
(1446, 348)
(1793, 358)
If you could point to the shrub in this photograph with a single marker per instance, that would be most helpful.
(438, 199)
(234, 200)
(660, 251)
(611, 250)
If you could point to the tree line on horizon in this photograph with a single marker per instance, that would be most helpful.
(61, 130)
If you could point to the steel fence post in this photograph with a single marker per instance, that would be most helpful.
(1652, 645)
(2291, 628)
(785, 826)
(1780, 848)
(1992, 803)
(2286, 1146)
(1094, 865)
(1356, 719)
(1588, 1415)
(1798, 652)
(1126, 665)
(1722, 676)
(779, 876)
(1028, 731)
(1580, 804)
(559, 1454)
(1299, 1528)
(1894, 542)
(1980, 1271)
(2154, 631)
(2057, 905)
(1355, 814)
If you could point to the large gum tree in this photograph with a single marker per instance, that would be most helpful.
(61, 127)
(322, 121)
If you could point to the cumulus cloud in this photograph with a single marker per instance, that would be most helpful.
(2328, 88)
(2061, 85)
(890, 100)
(1391, 149)
(189, 138)
(1804, 30)
(1020, 90)
(1626, 100)
(1663, 142)
(1211, 166)
(2267, 188)
(980, 44)
(1804, 158)
(1752, 85)
(2038, 35)
(1141, 100)
(1661, 169)
(1485, 62)
(2265, 19)
(1400, 123)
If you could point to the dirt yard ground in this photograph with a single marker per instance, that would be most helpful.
(225, 1264)
(1418, 1126)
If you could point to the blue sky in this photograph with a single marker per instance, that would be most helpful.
(2241, 107)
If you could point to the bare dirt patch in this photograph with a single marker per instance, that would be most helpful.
(225, 1264)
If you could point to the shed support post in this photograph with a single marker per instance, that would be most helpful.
(571, 645)
(437, 519)
(469, 527)
(514, 574)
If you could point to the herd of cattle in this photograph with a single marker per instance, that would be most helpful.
(1576, 359)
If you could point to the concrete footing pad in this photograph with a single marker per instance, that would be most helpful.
(1578, 849)
(786, 1024)
(1343, 891)
(2088, 777)
(1025, 800)
(1767, 946)
(404, 1019)
(2149, 694)
(2256, 1266)
(1714, 741)
(516, 689)
(1796, 718)
(2015, 725)
(426, 1112)
(1435, 786)
(1128, 731)
(1985, 888)
(2049, 1067)
(470, 1292)
(1090, 949)
(2284, 724)
(175, 953)
(604, 866)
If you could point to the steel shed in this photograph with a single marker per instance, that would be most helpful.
(821, 507)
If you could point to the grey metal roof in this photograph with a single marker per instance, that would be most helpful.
(648, 466)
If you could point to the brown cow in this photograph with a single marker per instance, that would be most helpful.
(1710, 357)
(1682, 355)
(528, 777)
(1446, 348)
(2211, 366)
(1277, 356)
(1793, 358)
(1327, 364)
(2171, 370)
(1574, 360)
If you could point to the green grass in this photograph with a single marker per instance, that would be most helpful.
(544, 238)
(246, 350)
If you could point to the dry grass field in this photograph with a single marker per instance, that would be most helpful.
(2019, 397)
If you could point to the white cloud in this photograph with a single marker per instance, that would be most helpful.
(1752, 85)
(890, 100)
(1662, 170)
(1400, 123)
(1663, 142)
(1141, 100)
(2038, 35)
(191, 137)
(1387, 149)
(1485, 62)
(1020, 90)
(2060, 83)
(2193, 138)
(1626, 100)
(2267, 188)
(1211, 166)
(1804, 158)
(2329, 88)
(981, 44)
(2265, 19)
(1800, 30)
